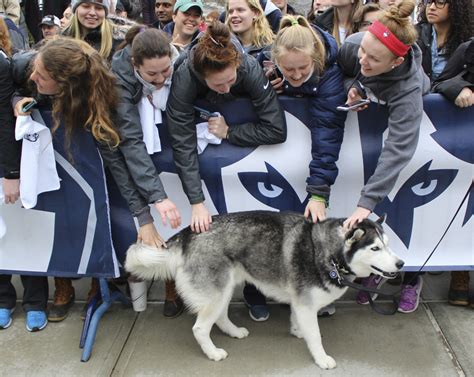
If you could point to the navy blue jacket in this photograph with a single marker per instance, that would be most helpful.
(326, 124)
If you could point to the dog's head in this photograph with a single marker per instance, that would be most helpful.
(366, 251)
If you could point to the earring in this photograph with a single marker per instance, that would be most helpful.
(393, 67)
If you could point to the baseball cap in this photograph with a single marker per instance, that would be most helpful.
(50, 20)
(184, 5)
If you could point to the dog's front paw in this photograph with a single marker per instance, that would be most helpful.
(295, 331)
(240, 333)
(326, 362)
(217, 355)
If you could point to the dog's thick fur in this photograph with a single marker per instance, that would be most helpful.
(286, 256)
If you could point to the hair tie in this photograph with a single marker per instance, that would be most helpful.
(142, 29)
(215, 42)
(294, 22)
(384, 35)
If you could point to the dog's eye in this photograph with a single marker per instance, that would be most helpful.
(375, 248)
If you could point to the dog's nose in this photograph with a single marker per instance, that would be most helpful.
(400, 264)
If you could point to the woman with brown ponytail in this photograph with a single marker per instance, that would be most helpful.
(384, 65)
(216, 69)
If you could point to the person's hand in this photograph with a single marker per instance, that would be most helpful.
(353, 96)
(315, 209)
(358, 215)
(465, 98)
(167, 210)
(277, 85)
(269, 68)
(148, 235)
(20, 104)
(218, 127)
(11, 190)
(200, 218)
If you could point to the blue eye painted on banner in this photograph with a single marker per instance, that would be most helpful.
(421, 188)
(272, 189)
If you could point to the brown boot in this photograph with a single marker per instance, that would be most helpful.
(173, 306)
(93, 291)
(459, 288)
(63, 300)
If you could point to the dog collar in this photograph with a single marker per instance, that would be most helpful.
(336, 271)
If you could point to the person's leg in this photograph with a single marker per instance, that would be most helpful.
(411, 291)
(7, 301)
(63, 299)
(35, 300)
(256, 302)
(459, 288)
(173, 306)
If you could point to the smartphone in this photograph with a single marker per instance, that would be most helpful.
(268, 65)
(29, 106)
(353, 105)
(205, 114)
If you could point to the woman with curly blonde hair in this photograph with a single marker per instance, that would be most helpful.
(247, 21)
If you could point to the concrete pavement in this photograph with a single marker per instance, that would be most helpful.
(436, 340)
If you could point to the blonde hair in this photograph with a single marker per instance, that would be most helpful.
(350, 26)
(262, 34)
(397, 19)
(5, 42)
(297, 34)
(86, 89)
(106, 32)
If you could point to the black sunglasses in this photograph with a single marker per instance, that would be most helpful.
(440, 4)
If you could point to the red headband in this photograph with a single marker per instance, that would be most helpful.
(381, 32)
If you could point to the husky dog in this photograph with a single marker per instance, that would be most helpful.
(286, 256)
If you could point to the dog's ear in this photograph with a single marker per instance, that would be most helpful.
(381, 219)
(354, 235)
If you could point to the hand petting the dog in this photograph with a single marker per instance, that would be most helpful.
(315, 209)
(359, 214)
(148, 235)
(200, 218)
(167, 210)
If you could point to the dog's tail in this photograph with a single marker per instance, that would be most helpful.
(149, 263)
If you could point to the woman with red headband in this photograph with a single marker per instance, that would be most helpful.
(384, 65)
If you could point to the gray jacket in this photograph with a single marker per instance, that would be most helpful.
(139, 162)
(188, 86)
(401, 89)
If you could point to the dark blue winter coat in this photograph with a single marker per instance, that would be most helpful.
(326, 92)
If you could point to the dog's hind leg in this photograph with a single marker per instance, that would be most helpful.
(307, 320)
(206, 317)
(225, 324)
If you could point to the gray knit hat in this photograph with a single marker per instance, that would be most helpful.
(102, 3)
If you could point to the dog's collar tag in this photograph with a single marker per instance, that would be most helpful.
(334, 273)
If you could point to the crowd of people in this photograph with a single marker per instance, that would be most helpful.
(114, 67)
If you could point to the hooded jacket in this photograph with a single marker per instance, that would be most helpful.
(401, 89)
(326, 92)
(188, 86)
(138, 160)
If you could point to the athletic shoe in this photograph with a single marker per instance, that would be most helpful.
(373, 282)
(410, 297)
(36, 320)
(6, 318)
(259, 313)
(327, 311)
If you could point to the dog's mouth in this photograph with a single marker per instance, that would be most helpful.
(388, 275)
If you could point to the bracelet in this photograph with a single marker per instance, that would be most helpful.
(320, 199)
